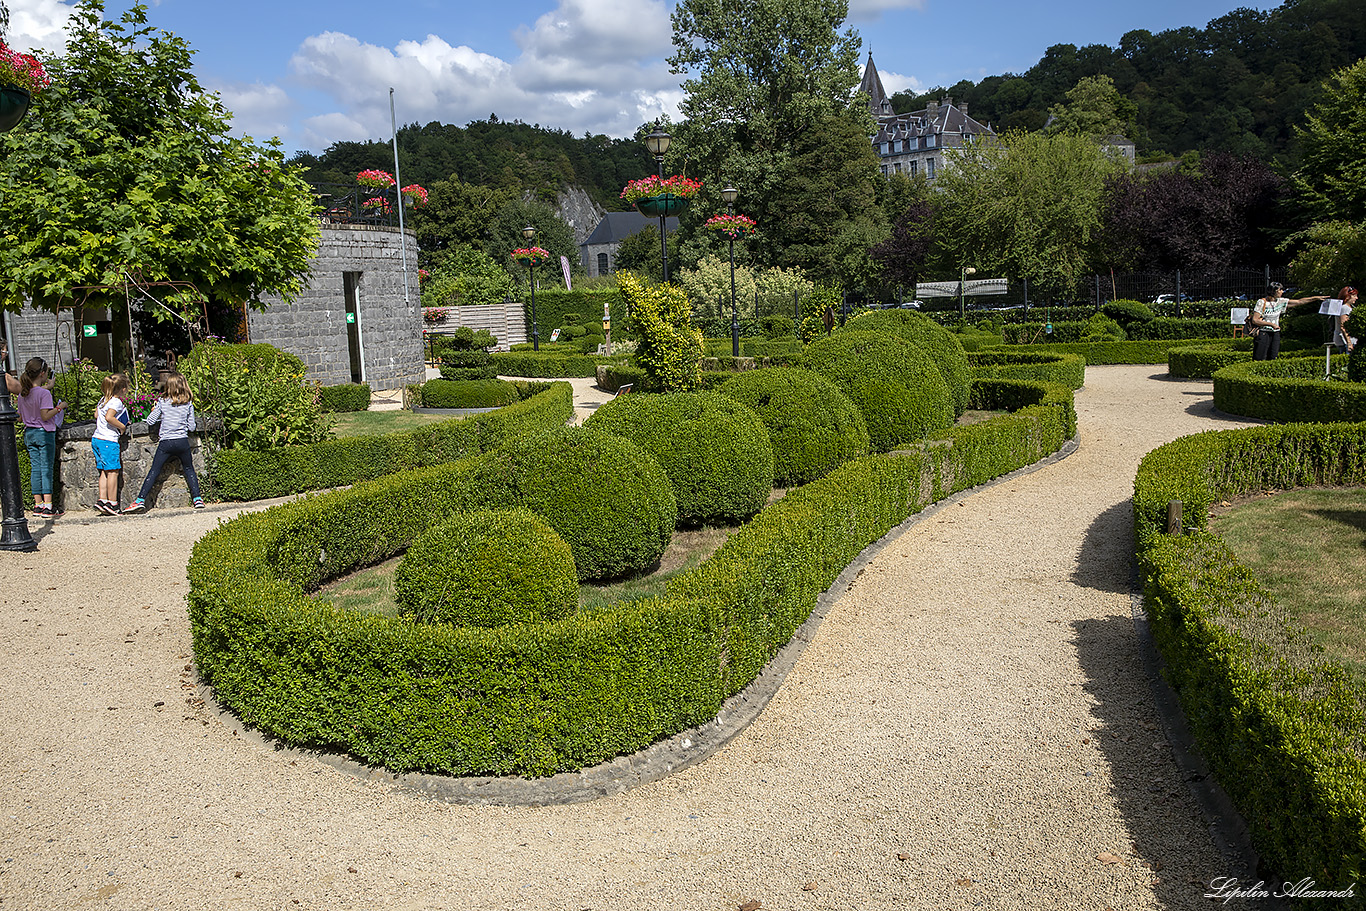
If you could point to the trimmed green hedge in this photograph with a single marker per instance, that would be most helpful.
(612, 377)
(552, 365)
(469, 394)
(714, 449)
(345, 397)
(813, 426)
(535, 699)
(896, 385)
(488, 568)
(1161, 328)
(1287, 390)
(939, 343)
(1201, 362)
(1284, 733)
(1097, 353)
(1046, 366)
(242, 475)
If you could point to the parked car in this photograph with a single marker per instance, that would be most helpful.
(1169, 298)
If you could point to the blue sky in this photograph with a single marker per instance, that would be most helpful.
(314, 72)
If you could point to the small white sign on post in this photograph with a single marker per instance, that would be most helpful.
(555, 336)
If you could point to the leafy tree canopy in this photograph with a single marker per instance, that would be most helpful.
(1094, 108)
(126, 163)
(1028, 207)
(763, 79)
(1237, 85)
(1331, 179)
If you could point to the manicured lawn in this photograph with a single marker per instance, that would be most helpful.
(372, 590)
(1308, 547)
(371, 423)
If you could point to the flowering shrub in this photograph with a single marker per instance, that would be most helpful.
(376, 179)
(423, 275)
(531, 255)
(259, 393)
(731, 225)
(677, 185)
(418, 194)
(434, 314)
(24, 71)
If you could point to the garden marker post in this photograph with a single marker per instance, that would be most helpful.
(729, 194)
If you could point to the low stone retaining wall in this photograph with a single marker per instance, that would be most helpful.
(78, 478)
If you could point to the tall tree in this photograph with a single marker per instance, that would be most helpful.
(764, 78)
(456, 214)
(127, 165)
(1028, 207)
(1331, 178)
(1094, 108)
(552, 235)
(1219, 212)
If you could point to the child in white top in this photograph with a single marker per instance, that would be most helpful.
(111, 422)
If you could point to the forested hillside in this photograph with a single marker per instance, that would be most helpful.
(1237, 85)
(493, 153)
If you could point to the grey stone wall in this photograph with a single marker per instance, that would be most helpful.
(78, 479)
(35, 333)
(314, 327)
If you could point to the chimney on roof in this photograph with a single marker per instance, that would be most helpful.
(931, 110)
(964, 108)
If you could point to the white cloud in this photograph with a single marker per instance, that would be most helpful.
(895, 82)
(258, 110)
(871, 10)
(37, 24)
(593, 65)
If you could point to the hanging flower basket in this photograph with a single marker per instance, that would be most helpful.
(377, 205)
(22, 71)
(657, 196)
(732, 226)
(531, 256)
(375, 179)
(661, 205)
(414, 195)
(14, 104)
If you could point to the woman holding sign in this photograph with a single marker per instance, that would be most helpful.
(1341, 340)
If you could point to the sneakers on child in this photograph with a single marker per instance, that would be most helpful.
(198, 502)
(106, 508)
(40, 511)
(135, 506)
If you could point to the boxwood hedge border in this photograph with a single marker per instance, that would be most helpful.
(1283, 735)
(1289, 390)
(1097, 353)
(1065, 368)
(243, 475)
(563, 696)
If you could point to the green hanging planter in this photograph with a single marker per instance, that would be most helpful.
(664, 204)
(14, 104)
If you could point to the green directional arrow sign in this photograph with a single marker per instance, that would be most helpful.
(350, 318)
(89, 330)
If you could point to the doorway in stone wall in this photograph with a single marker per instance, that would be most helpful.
(351, 286)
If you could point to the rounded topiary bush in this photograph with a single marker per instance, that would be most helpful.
(715, 451)
(1127, 312)
(895, 384)
(488, 568)
(936, 341)
(602, 493)
(469, 393)
(467, 364)
(813, 426)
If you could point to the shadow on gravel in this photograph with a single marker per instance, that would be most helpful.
(1205, 409)
(1163, 818)
(1106, 559)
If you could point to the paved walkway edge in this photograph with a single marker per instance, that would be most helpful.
(658, 760)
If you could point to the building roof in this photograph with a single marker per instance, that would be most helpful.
(937, 117)
(617, 226)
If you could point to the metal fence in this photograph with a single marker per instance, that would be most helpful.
(348, 204)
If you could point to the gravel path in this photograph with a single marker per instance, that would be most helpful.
(970, 727)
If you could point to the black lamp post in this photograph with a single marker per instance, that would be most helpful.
(728, 195)
(14, 534)
(529, 233)
(658, 143)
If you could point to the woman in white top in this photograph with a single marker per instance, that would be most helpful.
(1266, 320)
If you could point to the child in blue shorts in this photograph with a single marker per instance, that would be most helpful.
(111, 421)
